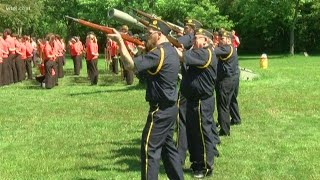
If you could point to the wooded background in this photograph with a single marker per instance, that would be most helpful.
(277, 26)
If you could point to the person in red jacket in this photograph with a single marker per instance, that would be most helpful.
(20, 52)
(49, 62)
(92, 58)
(12, 54)
(111, 55)
(29, 53)
(128, 74)
(235, 40)
(5, 64)
(75, 52)
(58, 48)
(1, 61)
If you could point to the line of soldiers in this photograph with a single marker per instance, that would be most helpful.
(205, 67)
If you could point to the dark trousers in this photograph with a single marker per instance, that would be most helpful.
(93, 71)
(1, 74)
(225, 89)
(60, 67)
(182, 141)
(81, 57)
(76, 64)
(201, 143)
(34, 58)
(128, 75)
(20, 66)
(5, 72)
(157, 142)
(115, 65)
(13, 78)
(28, 67)
(50, 80)
(234, 108)
(55, 68)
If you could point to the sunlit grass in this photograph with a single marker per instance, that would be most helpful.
(78, 131)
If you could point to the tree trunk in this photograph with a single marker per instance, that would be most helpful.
(19, 30)
(293, 26)
(292, 40)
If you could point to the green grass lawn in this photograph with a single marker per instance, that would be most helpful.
(77, 131)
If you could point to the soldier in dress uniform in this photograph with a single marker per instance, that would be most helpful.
(162, 65)
(228, 78)
(198, 88)
(190, 25)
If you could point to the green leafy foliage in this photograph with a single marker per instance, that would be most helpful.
(261, 25)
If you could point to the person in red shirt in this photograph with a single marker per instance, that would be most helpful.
(12, 54)
(235, 39)
(35, 50)
(92, 59)
(18, 63)
(49, 57)
(215, 39)
(127, 74)
(63, 45)
(59, 53)
(29, 53)
(111, 55)
(81, 50)
(75, 52)
(5, 63)
(1, 62)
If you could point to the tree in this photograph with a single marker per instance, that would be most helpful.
(21, 14)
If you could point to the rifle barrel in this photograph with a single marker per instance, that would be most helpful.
(106, 30)
(72, 18)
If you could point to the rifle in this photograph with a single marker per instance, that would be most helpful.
(106, 30)
(125, 18)
(171, 39)
(174, 27)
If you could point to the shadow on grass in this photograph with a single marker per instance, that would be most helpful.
(31, 84)
(123, 154)
(125, 89)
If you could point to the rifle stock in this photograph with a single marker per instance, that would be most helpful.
(106, 30)
(174, 41)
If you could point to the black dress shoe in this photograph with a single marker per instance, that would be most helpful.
(235, 123)
(221, 133)
(198, 174)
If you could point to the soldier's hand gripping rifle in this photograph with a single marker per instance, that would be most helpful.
(106, 30)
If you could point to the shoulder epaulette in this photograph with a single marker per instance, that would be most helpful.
(226, 58)
(209, 60)
(160, 63)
